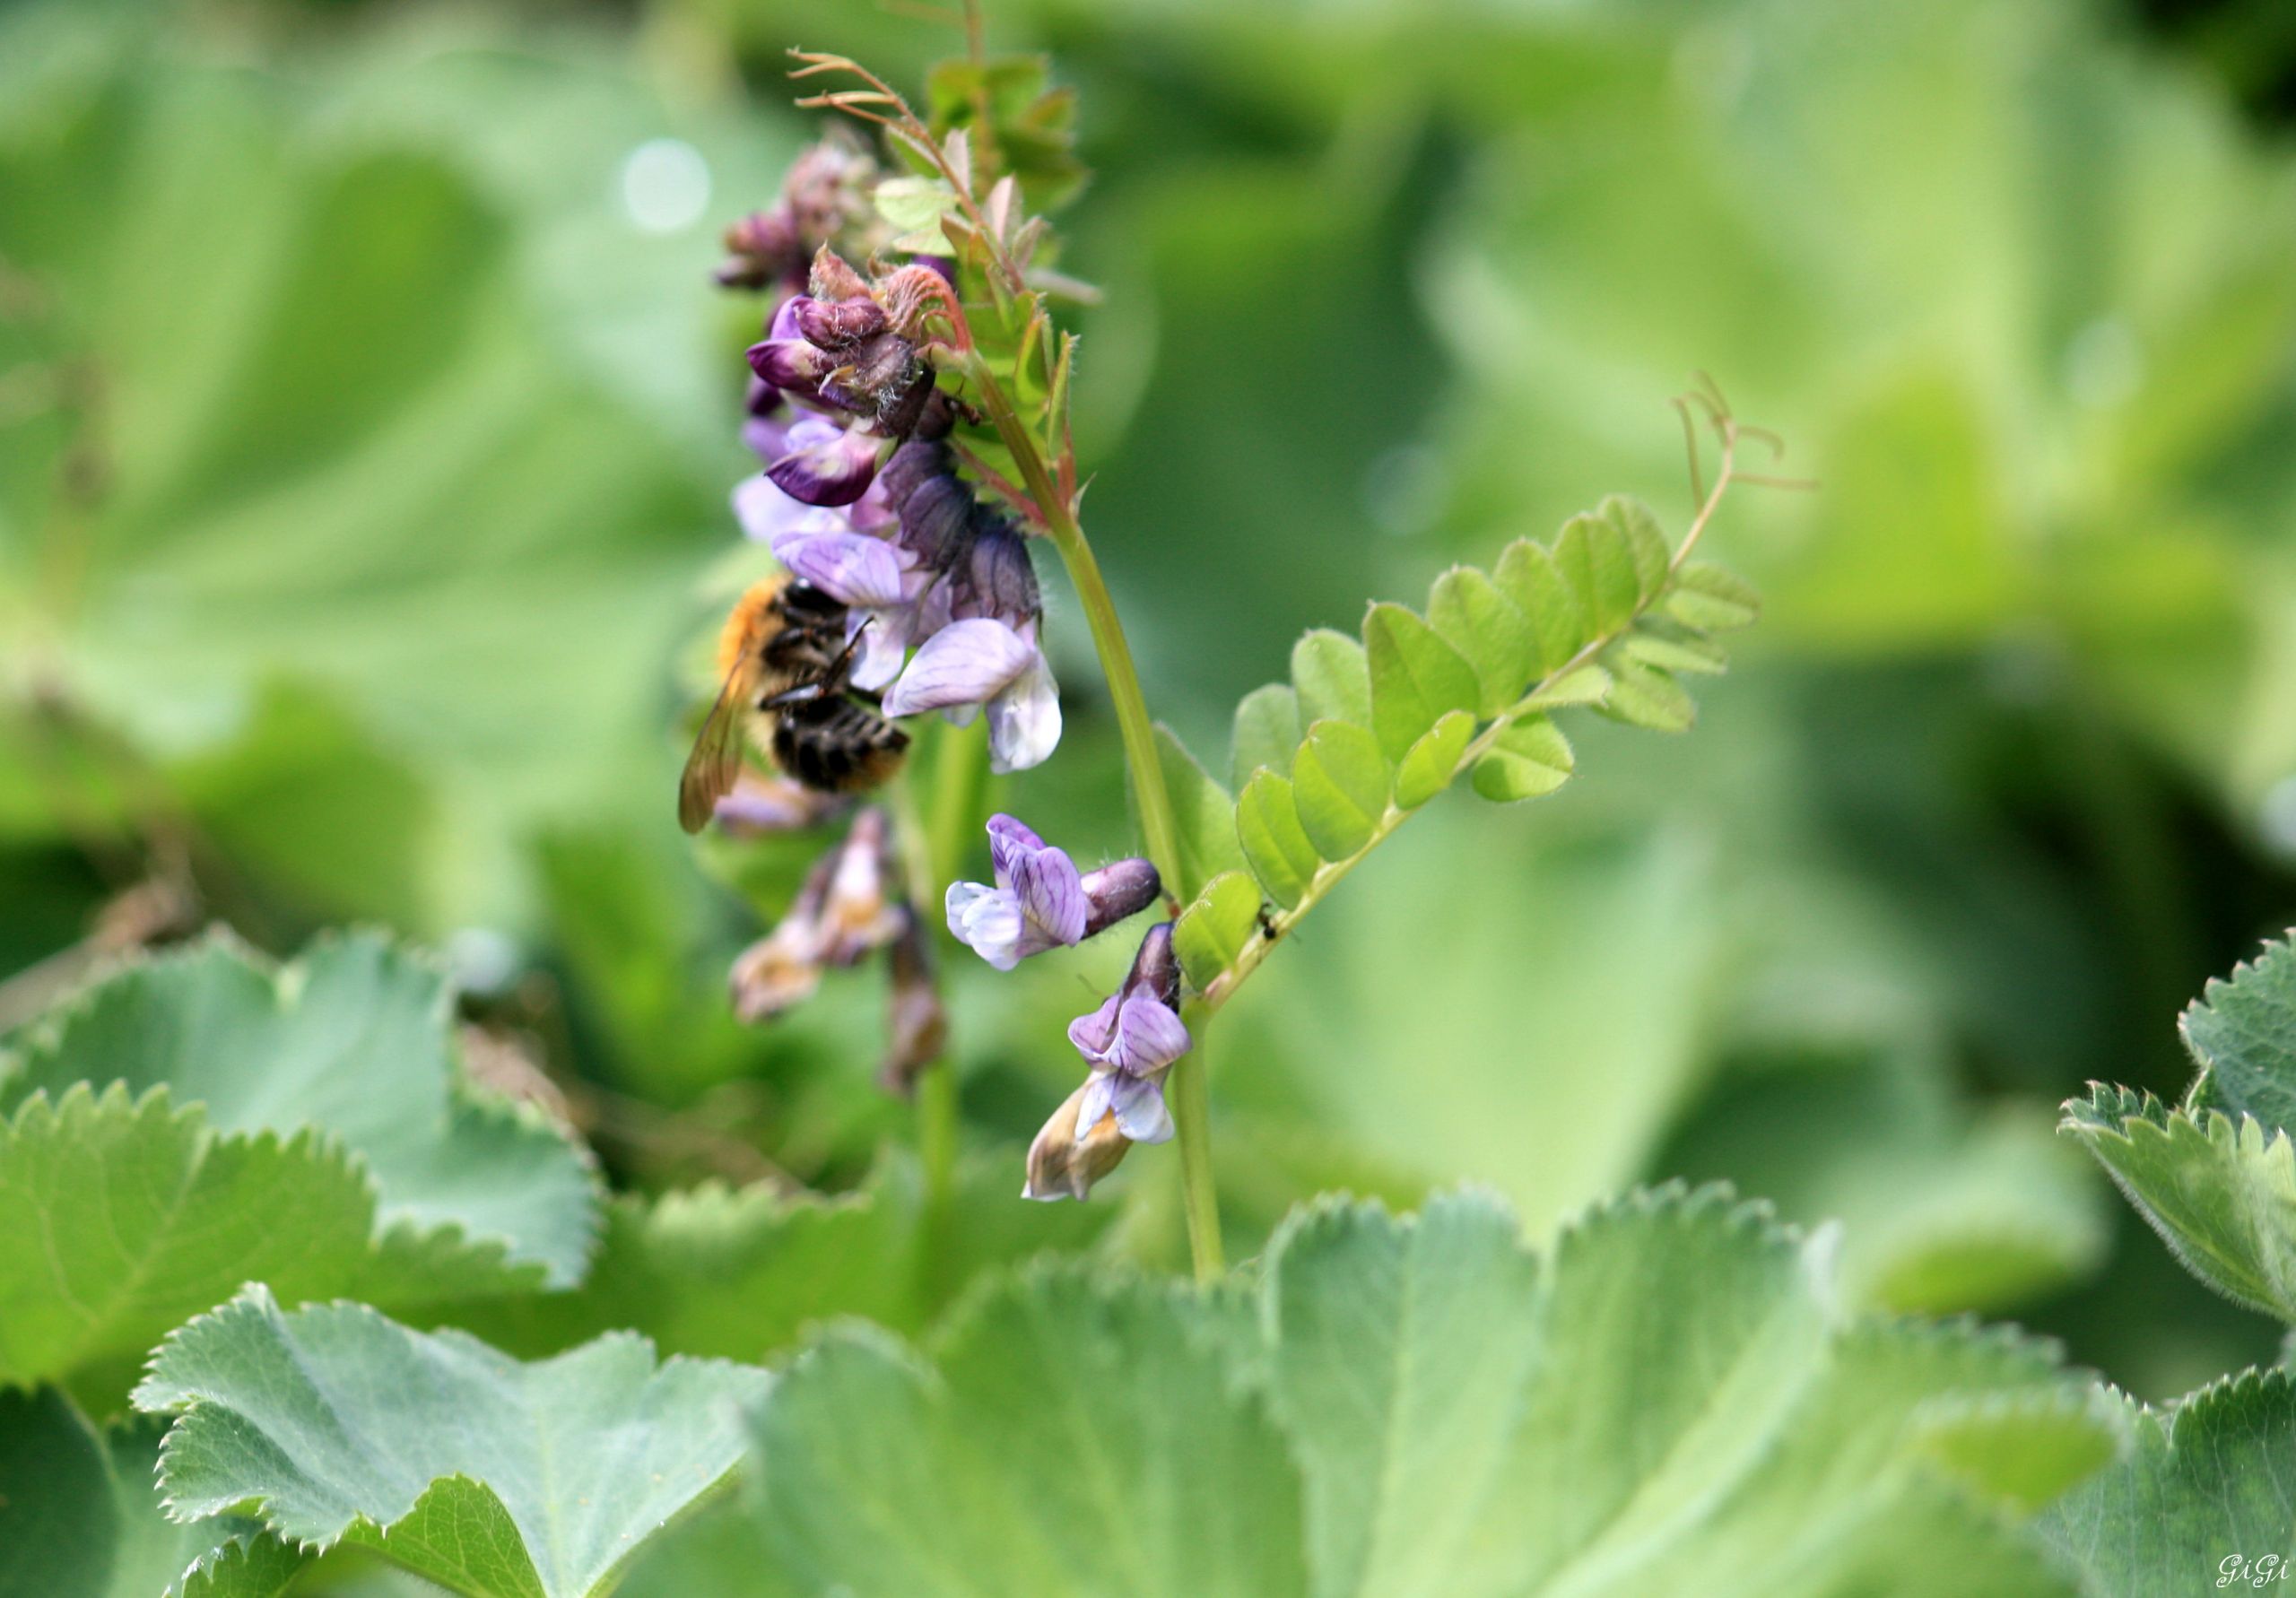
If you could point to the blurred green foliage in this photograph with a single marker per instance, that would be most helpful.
(366, 425)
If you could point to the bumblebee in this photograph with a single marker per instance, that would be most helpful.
(787, 663)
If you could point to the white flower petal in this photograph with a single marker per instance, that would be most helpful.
(1024, 720)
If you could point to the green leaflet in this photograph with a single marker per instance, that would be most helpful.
(1642, 696)
(1416, 678)
(1213, 930)
(1274, 844)
(1339, 783)
(1597, 563)
(1665, 1402)
(1712, 597)
(353, 1039)
(1531, 759)
(1333, 678)
(1528, 575)
(1203, 813)
(495, 1479)
(1487, 628)
(1267, 732)
(1429, 765)
(85, 1519)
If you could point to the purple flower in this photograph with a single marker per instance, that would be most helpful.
(1131, 1041)
(982, 661)
(1041, 900)
(826, 464)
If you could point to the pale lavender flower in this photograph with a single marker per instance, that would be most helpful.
(1131, 1041)
(981, 660)
(1039, 899)
(845, 909)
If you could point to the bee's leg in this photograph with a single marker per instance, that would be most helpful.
(804, 694)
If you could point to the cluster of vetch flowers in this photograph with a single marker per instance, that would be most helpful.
(1038, 901)
(861, 498)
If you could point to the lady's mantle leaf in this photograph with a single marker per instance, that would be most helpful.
(2222, 1192)
(2243, 1035)
(83, 1517)
(1666, 1403)
(495, 1479)
(353, 1039)
(2215, 1482)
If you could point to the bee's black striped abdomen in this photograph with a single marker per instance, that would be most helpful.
(836, 745)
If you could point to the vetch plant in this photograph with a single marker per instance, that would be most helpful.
(909, 402)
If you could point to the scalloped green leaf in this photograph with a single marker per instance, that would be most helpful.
(1648, 549)
(1428, 766)
(2221, 1192)
(2242, 1032)
(1642, 696)
(1332, 677)
(1489, 631)
(493, 1478)
(1339, 786)
(1712, 597)
(1274, 845)
(1416, 677)
(1268, 730)
(1530, 759)
(120, 1217)
(2205, 1500)
(1213, 930)
(83, 1518)
(354, 1038)
(1667, 1401)
(1203, 813)
(1597, 563)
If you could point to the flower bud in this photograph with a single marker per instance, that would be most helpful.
(1066, 1160)
(935, 518)
(833, 280)
(1117, 891)
(760, 249)
(912, 465)
(840, 324)
(790, 363)
(1003, 581)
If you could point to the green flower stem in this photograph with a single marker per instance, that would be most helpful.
(935, 1098)
(1154, 803)
(1191, 1106)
